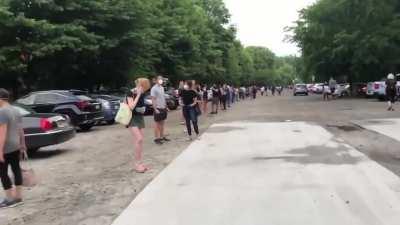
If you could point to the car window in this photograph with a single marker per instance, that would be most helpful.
(45, 98)
(83, 97)
(22, 111)
(27, 100)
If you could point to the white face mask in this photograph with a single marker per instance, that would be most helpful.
(160, 82)
(186, 87)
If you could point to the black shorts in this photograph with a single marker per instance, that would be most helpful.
(159, 117)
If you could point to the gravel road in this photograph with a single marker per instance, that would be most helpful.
(89, 180)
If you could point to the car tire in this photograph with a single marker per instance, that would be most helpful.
(110, 122)
(86, 127)
(294, 94)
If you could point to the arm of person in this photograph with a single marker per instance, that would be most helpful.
(154, 101)
(22, 139)
(3, 135)
(132, 102)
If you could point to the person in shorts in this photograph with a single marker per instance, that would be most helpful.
(12, 147)
(135, 101)
(160, 110)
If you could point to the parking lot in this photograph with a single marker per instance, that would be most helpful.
(89, 180)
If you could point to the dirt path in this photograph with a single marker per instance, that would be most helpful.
(89, 180)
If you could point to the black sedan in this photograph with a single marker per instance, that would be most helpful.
(44, 129)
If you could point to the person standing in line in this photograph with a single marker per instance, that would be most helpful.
(391, 91)
(254, 92)
(205, 99)
(189, 99)
(273, 88)
(228, 95)
(12, 148)
(160, 110)
(237, 94)
(223, 96)
(326, 91)
(135, 101)
(180, 89)
(262, 89)
(215, 99)
(332, 87)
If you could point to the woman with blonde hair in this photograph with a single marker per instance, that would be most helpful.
(135, 101)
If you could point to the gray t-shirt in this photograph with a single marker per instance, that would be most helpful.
(12, 118)
(157, 92)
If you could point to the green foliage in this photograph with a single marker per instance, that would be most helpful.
(86, 44)
(350, 39)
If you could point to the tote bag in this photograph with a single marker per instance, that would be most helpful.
(29, 178)
(124, 115)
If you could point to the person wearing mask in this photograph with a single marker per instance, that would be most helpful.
(12, 148)
(135, 101)
(189, 99)
(160, 110)
(391, 91)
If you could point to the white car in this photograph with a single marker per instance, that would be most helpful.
(342, 90)
(318, 88)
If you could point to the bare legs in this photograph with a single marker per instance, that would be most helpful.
(138, 137)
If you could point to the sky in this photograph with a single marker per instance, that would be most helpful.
(262, 22)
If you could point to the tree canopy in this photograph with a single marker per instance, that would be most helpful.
(48, 44)
(349, 39)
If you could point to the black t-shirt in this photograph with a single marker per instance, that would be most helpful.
(140, 106)
(188, 96)
(215, 92)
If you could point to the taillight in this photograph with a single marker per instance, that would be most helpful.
(376, 86)
(46, 124)
(82, 105)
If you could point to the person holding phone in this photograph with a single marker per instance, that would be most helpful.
(189, 99)
(136, 102)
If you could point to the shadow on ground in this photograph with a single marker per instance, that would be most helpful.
(316, 155)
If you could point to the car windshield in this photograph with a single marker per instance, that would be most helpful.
(23, 111)
(301, 86)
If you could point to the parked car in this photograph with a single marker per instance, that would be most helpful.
(44, 129)
(83, 110)
(172, 103)
(310, 87)
(380, 89)
(318, 88)
(342, 90)
(110, 106)
(370, 90)
(300, 89)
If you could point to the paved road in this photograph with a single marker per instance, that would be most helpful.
(269, 173)
(89, 180)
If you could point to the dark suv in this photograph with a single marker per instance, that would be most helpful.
(83, 111)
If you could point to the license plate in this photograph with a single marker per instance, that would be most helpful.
(97, 106)
(117, 107)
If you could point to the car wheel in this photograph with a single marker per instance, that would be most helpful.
(294, 94)
(86, 127)
(110, 122)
